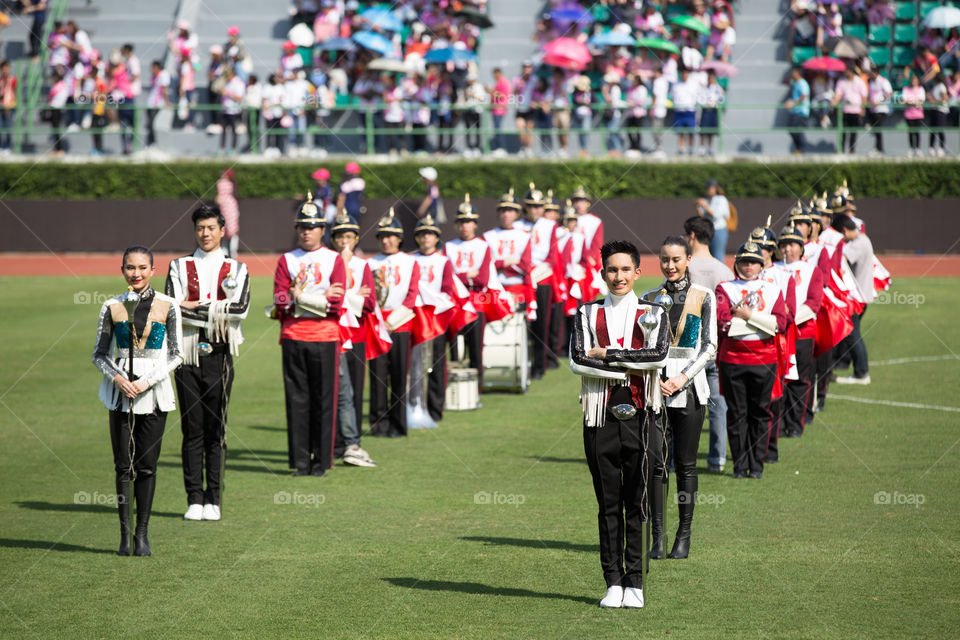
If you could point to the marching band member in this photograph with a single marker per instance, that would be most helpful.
(397, 278)
(211, 315)
(308, 289)
(693, 345)
(544, 263)
(613, 340)
(590, 226)
(510, 251)
(473, 264)
(571, 244)
(772, 273)
(438, 294)
(551, 211)
(360, 299)
(154, 332)
(750, 313)
(808, 295)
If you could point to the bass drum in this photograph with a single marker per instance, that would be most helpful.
(506, 364)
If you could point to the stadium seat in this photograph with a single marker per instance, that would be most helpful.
(905, 11)
(880, 55)
(880, 34)
(903, 55)
(802, 54)
(927, 6)
(905, 34)
(855, 30)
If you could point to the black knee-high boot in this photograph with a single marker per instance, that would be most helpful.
(143, 488)
(686, 500)
(123, 507)
(658, 486)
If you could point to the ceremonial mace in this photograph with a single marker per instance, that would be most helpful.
(664, 300)
(130, 299)
(229, 286)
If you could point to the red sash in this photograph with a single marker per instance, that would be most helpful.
(636, 342)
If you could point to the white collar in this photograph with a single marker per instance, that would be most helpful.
(216, 254)
(620, 312)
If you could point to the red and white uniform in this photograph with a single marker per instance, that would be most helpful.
(512, 245)
(371, 332)
(807, 291)
(400, 274)
(484, 288)
(316, 271)
(816, 254)
(757, 347)
(592, 229)
(545, 258)
(437, 296)
(576, 269)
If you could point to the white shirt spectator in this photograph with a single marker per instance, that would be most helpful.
(638, 99)
(711, 96)
(880, 94)
(272, 101)
(232, 96)
(692, 58)
(721, 211)
(685, 96)
(253, 98)
(661, 91)
(156, 98)
(296, 92)
(133, 73)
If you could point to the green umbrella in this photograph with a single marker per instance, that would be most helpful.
(475, 17)
(657, 43)
(689, 22)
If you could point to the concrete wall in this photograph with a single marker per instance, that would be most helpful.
(930, 226)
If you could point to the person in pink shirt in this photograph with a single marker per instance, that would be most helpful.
(914, 96)
(500, 98)
(853, 93)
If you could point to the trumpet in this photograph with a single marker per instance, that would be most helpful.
(750, 299)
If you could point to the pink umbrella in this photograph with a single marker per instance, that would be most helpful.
(567, 53)
(824, 63)
(721, 68)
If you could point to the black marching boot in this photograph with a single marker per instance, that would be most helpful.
(123, 507)
(143, 488)
(659, 544)
(688, 491)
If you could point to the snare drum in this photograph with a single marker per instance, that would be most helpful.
(462, 391)
(506, 365)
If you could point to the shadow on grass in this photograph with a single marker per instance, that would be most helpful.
(89, 508)
(231, 467)
(552, 459)
(476, 588)
(535, 544)
(46, 545)
(261, 427)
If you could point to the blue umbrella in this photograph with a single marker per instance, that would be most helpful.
(382, 18)
(571, 14)
(612, 39)
(337, 44)
(374, 42)
(448, 54)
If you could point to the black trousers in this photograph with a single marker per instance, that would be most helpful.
(775, 431)
(390, 419)
(553, 336)
(877, 121)
(473, 342)
(799, 393)
(310, 378)
(849, 139)
(204, 391)
(824, 366)
(147, 437)
(437, 378)
(615, 454)
(682, 435)
(539, 329)
(746, 388)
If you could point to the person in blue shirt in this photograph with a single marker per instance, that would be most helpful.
(798, 108)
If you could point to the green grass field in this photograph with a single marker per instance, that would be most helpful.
(405, 550)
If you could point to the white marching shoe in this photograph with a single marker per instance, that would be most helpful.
(632, 598)
(613, 599)
(194, 512)
(211, 512)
